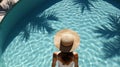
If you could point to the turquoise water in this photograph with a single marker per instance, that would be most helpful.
(34, 46)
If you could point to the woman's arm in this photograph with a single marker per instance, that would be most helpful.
(76, 59)
(54, 59)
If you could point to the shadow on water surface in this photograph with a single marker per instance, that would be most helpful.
(111, 48)
(115, 3)
(33, 23)
(85, 4)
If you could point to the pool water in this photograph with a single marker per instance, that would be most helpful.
(34, 46)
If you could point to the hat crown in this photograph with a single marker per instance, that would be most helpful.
(67, 39)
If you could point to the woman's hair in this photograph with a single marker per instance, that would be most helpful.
(65, 54)
(66, 57)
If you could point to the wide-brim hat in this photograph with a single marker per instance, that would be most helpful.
(57, 38)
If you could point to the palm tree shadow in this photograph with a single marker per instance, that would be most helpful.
(86, 4)
(112, 47)
(33, 23)
(41, 23)
(115, 3)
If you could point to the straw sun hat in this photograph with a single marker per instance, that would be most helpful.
(67, 36)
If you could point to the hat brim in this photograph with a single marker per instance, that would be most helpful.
(59, 34)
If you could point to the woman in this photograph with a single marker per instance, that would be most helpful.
(66, 41)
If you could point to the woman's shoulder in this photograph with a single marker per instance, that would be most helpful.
(75, 53)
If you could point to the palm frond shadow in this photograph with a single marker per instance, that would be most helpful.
(34, 24)
(110, 32)
(41, 23)
(115, 3)
(86, 4)
(111, 48)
